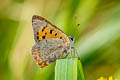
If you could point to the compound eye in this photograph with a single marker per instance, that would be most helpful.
(71, 39)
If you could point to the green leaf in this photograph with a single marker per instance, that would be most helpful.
(80, 71)
(68, 69)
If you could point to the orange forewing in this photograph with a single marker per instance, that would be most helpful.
(47, 34)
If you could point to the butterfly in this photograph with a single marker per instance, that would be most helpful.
(51, 43)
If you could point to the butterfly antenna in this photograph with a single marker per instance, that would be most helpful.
(73, 24)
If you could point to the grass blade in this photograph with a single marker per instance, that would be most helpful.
(80, 71)
(66, 69)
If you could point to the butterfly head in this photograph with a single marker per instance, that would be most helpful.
(71, 39)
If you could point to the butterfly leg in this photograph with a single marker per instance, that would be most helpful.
(75, 52)
(71, 54)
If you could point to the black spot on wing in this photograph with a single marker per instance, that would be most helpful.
(43, 29)
(43, 37)
(51, 31)
(37, 33)
(55, 34)
(61, 37)
(45, 33)
(37, 37)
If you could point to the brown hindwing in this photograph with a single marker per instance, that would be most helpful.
(47, 51)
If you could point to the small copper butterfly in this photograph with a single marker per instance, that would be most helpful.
(51, 43)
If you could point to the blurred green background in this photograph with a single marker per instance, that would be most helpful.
(97, 38)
